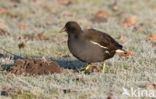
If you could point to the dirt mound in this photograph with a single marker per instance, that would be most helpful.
(35, 66)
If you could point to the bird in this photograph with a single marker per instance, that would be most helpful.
(90, 45)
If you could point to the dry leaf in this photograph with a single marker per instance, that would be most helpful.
(67, 14)
(129, 21)
(8, 90)
(152, 37)
(28, 37)
(88, 27)
(154, 85)
(3, 11)
(2, 26)
(65, 2)
(135, 7)
(153, 8)
(16, 1)
(128, 53)
(150, 86)
(98, 19)
(154, 44)
(64, 42)
(34, 0)
(115, 5)
(5, 87)
(93, 69)
(101, 13)
(145, 69)
(84, 20)
(66, 56)
(41, 37)
(121, 14)
(38, 36)
(22, 27)
(138, 27)
(122, 38)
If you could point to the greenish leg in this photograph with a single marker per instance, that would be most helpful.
(87, 67)
(104, 65)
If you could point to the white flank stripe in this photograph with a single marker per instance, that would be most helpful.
(98, 44)
(119, 51)
(107, 52)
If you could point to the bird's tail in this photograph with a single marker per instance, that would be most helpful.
(121, 51)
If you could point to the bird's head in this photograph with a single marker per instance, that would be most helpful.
(71, 27)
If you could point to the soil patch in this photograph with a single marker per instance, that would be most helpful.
(35, 66)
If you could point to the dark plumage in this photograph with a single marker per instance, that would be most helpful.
(90, 45)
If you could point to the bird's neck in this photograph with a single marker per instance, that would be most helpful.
(75, 35)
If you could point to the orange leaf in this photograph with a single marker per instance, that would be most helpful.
(22, 27)
(65, 2)
(2, 26)
(152, 37)
(98, 19)
(63, 42)
(127, 54)
(115, 5)
(150, 86)
(101, 13)
(93, 69)
(3, 11)
(41, 36)
(129, 21)
(67, 14)
(122, 38)
(88, 27)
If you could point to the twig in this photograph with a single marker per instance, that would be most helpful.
(10, 53)
(66, 89)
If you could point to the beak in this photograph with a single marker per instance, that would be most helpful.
(62, 30)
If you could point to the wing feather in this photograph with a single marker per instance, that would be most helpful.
(101, 38)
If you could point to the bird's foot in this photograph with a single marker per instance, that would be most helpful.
(90, 69)
(86, 69)
(88, 66)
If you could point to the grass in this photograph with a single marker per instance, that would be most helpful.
(47, 16)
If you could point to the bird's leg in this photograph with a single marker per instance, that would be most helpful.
(87, 67)
(104, 65)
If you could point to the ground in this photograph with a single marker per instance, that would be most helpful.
(36, 23)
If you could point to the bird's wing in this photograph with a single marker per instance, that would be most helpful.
(101, 39)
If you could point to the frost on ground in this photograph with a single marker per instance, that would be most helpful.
(29, 28)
